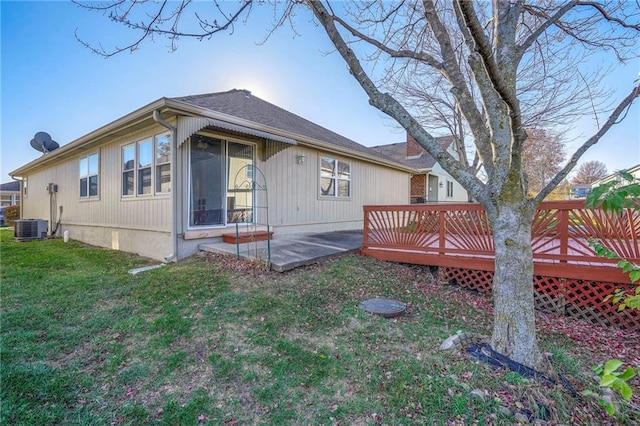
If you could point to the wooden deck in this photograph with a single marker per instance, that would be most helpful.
(458, 235)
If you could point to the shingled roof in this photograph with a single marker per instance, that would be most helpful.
(13, 186)
(233, 103)
(242, 104)
(398, 152)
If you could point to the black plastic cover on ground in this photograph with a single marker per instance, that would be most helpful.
(485, 353)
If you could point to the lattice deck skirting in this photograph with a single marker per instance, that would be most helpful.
(580, 299)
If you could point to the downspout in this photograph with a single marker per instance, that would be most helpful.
(174, 204)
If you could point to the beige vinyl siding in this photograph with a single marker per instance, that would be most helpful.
(108, 211)
(142, 224)
(294, 192)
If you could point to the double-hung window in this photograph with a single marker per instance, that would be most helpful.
(163, 163)
(145, 158)
(128, 169)
(146, 166)
(335, 178)
(449, 189)
(89, 175)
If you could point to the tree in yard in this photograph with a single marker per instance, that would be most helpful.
(542, 158)
(590, 172)
(507, 66)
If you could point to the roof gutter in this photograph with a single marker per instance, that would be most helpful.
(139, 116)
(103, 132)
(184, 108)
(174, 204)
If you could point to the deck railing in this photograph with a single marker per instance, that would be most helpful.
(459, 235)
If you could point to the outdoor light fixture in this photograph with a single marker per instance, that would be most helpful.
(300, 158)
(441, 184)
(202, 144)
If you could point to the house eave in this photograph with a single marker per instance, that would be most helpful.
(139, 118)
(612, 176)
(143, 117)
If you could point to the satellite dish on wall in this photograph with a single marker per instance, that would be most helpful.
(42, 142)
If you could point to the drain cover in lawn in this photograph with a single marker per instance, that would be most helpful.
(387, 308)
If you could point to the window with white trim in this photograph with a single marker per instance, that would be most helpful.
(89, 175)
(9, 200)
(128, 169)
(145, 158)
(146, 166)
(163, 163)
(335, 178)
(449, 189)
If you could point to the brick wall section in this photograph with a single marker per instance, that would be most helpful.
(418, 186)
(413, 149)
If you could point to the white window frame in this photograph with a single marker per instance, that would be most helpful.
(335, 177)
(153, 168)
(225, 153)
(88, 174)
(157, 164)
(142, 168)
(449, 189)
(131, 170)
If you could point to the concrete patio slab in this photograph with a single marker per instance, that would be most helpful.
(292, 251)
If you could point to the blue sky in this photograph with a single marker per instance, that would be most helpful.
(51, 83)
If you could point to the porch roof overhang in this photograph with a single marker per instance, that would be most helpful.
(186, 110)
(188, 126)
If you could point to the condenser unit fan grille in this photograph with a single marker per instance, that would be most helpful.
(30, 229)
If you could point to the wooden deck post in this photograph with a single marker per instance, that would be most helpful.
(365, 233)
(441, 239)
(563, 233)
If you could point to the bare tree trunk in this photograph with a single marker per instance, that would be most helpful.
(514, 332)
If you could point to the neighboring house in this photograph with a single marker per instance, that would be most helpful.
(9, 194)
(430, 183)
(634, 171)
(580, 190)
(183, 171)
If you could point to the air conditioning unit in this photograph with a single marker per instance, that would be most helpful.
(30, 229)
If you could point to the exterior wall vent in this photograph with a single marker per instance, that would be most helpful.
(30, 229)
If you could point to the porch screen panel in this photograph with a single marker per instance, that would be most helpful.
(207, 198)
(240, 187)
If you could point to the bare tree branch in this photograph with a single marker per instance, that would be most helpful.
(420, 56)
(387, 104)
(152, 27)
(483, 48)
(525, 45)
(459, 88)
(607, 16)
(622, 106)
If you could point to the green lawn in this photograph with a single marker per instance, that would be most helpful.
(213, 340)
